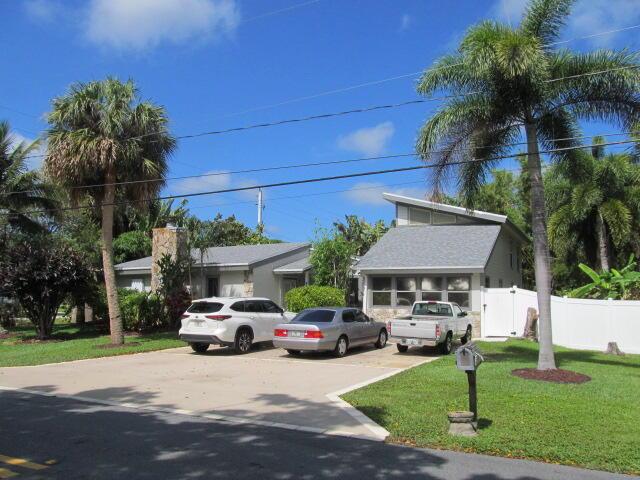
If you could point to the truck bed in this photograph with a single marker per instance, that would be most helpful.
(415, 326)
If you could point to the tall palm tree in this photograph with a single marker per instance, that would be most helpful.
(594, 204)
(101, 133)
(21, 190)
(508, 81)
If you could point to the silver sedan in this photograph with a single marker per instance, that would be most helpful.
(327, 329)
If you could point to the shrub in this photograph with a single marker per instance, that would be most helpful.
(297, 299)
(141, 310)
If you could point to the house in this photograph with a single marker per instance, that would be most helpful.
(266, 270)
(439, 252)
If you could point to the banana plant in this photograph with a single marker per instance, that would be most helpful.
(615, 284)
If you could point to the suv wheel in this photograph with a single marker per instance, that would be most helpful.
(199, 347)
(243, 341)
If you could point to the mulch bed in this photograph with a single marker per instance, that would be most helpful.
(555, 376)
(111, 345)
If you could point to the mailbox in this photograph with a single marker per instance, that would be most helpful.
(468, 358)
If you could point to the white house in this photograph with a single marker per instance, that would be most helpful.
(267, 270)
(439, 252)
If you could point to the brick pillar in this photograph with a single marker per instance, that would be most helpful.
(169, 240)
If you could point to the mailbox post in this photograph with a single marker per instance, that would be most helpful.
(468, 359)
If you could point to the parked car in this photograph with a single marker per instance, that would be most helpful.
(231, 321)
(431, 324)
(329, 329)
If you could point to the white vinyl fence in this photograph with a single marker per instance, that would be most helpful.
(577, 323)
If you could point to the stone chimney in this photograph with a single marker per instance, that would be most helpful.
(169, 240)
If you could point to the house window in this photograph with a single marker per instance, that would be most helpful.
(487, 282)
(500, 284)
(212, 286)
(137, 284)
(405, 291)
(443, 218)
(431, 288)
(458, 290)
(381, 291)
(419, 216)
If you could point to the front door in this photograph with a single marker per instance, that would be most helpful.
(288, 284)
(212, 286)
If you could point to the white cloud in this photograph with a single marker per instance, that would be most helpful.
(510, 11)
(217, 180)
(144, 24)
(368, 141)
(405, 21)
(41, 10)
(36, 156)
(370, 193)
(593, 16)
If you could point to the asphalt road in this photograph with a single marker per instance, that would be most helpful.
(70, 439)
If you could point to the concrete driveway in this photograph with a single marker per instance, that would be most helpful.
(265, 387)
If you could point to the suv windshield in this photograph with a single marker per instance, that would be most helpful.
(314, 316)
(204, 307)
(432, 308)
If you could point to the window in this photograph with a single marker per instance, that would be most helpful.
(431, 288)
(314, 316)
(204, 307)
(270, 307)
(457, 310)
(361, 317)
(212, 286)
(439, 309)
(238, 306)
(349, 316)
(511, 254)
(381, 292)
(487, 282)
(500, 284)
(253, 306)
(419, 216)
(137, 284)
(405, 291)
(458, 290)
(443, 218)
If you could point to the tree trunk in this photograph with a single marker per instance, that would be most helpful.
(546, 359)
(115, 319)
(603, 243)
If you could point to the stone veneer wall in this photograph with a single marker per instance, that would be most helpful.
(168, 240)
(384, 314)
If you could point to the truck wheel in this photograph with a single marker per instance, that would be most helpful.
(341, 347)
(467, 335)
(447, 345)
(243, 341)
(402, 348)
(293, 353)
(382, 339)
(199, 347)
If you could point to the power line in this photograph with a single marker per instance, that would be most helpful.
(304, 165)
(325, 179)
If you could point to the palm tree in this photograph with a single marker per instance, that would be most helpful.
(101, 133)
(21, 190)
(595, 204)
(506, 81)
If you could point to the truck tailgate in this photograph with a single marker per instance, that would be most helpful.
(416, 327)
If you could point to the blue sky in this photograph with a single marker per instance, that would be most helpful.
(216, 64)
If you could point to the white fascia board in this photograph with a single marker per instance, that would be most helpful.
(417, 269)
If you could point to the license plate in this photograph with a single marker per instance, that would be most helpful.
(293, 333)
(413, 341)
(197, 323)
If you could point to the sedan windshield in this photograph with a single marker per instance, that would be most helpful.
(314, 316)
(432, 308)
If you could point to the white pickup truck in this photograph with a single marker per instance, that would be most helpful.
(431, 324)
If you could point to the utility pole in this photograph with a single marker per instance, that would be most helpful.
(260, 207)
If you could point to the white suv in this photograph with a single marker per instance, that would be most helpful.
(231, 321)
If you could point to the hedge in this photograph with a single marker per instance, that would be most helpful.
(297, 299)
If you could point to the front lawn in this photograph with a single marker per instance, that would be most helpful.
(70, 342)
(594, 425)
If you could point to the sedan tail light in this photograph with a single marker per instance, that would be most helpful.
(313, 334)
(280, 332)
(218, 317)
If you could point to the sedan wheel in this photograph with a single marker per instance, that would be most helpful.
(341, 347)
(382, 339)
(243, 342)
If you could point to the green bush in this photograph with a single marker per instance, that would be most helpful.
(297, 299)
(141, 310)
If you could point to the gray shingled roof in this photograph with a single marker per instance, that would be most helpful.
(221, 256)
(432, 246)
(298, 266)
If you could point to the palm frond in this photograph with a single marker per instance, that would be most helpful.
(543, 19)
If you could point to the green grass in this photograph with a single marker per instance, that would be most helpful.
(70, 342)
(593, 425)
